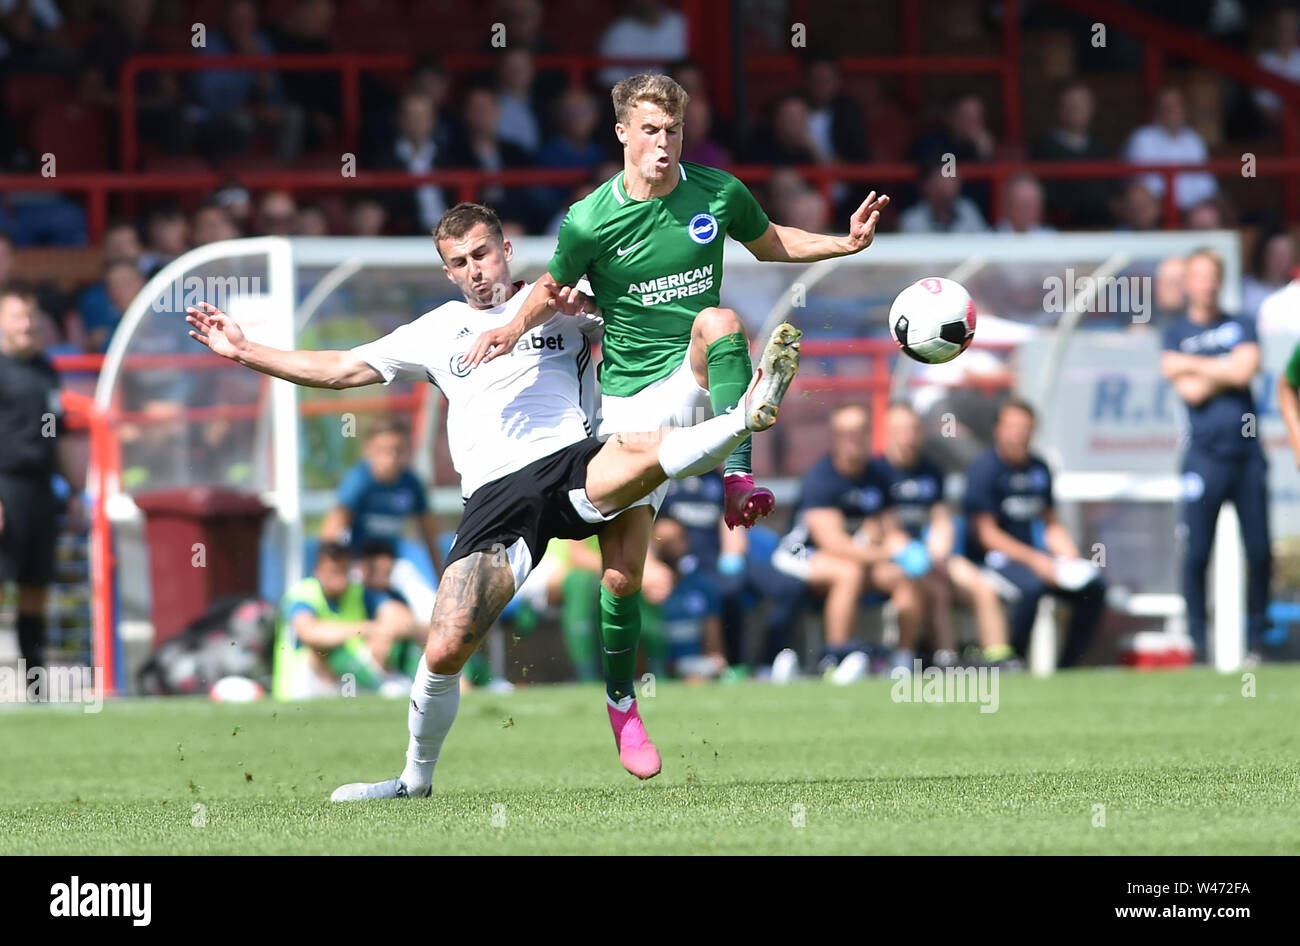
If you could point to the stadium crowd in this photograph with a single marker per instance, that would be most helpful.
(517, 116)
(868, 529)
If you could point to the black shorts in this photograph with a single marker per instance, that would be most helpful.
(29, 531)
(524, 510)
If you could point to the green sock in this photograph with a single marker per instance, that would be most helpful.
(578, 621)
(730, 372)
(620, 628)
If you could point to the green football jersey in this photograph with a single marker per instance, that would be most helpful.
(653, 265)
(1292, 370)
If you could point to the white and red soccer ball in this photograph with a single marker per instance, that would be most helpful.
(933, 320)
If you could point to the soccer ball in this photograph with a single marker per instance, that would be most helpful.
(933, 320)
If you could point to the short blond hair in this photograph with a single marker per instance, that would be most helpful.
(649, 87)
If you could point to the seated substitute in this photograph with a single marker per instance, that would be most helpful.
(331, 626)
(838, 547)
(914, 485)
(1008, 496)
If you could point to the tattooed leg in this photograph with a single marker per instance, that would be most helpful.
(473, 593)
(471, 596)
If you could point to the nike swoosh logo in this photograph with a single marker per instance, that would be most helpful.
(624, 252)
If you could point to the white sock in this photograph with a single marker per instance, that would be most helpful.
(690, 451)
(435, 698)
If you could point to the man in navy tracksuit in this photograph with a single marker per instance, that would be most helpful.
(1210, 359)
(1008, 500)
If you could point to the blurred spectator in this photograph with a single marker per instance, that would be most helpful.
(122, 283)
(647, 29)
(429, 77)
(1170, 295)
(311, 221)
(965, 135)
(376, 561)
(366, 216)
(277, 213)
(1014, 533)
(167, 233)
(211, 223)
(573, 146)
(700, 146)
(688, 74)
(122, 241)
(835, 117)
(234, 197)
(1272, 262)
(1212, 214)
(783, 187)
(1076, 203)
(1022, 204)
(480, 148)
(691, 615)
(1282, 58)
(1170, 140)
(158, 94)
(837, 546)
(1280, 312)
(1136, 208)
(1211, 360)
(307, 30)
(376, 498)
(29, 36)
(809, 211)
(334, 628)
(416, 150)
(787, 138)
(517, 123)
(32, 455)
(523, 21)
(942, 208)
(236, 105)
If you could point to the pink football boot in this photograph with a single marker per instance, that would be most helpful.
(635, 750)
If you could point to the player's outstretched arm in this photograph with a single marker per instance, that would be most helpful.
(315, 369)
(780, 244)
(545, 299)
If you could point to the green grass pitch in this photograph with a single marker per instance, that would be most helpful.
(1181, 761)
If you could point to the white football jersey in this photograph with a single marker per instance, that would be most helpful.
(507, 412)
